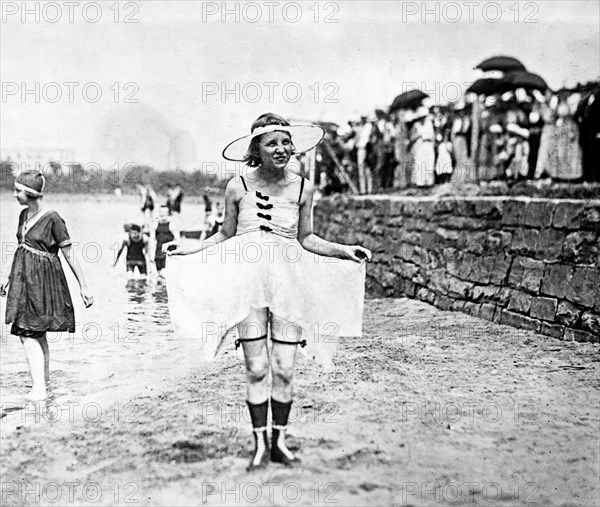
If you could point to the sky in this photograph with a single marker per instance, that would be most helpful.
(171, 83)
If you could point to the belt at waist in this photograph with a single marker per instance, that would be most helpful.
(38, 252)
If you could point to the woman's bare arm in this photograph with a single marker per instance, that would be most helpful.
(313, 243)
(232, 197)
(73, 261)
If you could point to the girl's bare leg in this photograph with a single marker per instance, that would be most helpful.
(38, 359)
(255, 354)
(257, 372)
(283, 362)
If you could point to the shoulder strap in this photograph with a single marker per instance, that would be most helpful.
(244, 183)
(301, 190)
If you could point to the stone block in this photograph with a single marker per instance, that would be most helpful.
(475, 241)
(481, 269)
(443, 207)
(407, 287)
(498, 240)
(389, 280)
(591, 216)
(539, 213)
(396, 208)
(503, 296)
(568, 214)
(382, 208)
(533, 272)
(524, 241)
(429, 240)
(499, 272)
(554, 330)
(521, 321)
(543, 308)
(567, 313)
(444, 302)
(487, 311)
(490, 209)
(405, 269)
(556, 277)
(459, 288)
(424, 294)
(583, 286)
(549, 244)
(520, 302)
(581, 247)
(472, 308)
(577, 335)
(591, 322)
(411, 208)
(373, 288)
(466, 265)
(459, 305)
(484, 293)
(515, 274)
(512, 212)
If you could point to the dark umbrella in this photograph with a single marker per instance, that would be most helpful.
(408, 100)
(503, 63)
(528, 80)
(489, 86)
(328, 125)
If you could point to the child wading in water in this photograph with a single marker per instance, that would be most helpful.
(38, 294)
(137, 252)
(163, 234)
(266, 270)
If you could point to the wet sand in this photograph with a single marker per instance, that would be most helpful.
(428, 408)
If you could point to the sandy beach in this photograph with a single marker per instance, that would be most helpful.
(428, 408)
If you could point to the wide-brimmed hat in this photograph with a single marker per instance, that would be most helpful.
(304, 137)
(32, 182)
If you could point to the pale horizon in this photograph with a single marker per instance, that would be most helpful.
(177, 67)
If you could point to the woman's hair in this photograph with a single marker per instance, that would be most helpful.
(34, 180)
(252, 158)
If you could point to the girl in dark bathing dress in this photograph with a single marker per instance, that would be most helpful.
(38, 295)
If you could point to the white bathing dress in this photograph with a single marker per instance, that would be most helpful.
(264, 265)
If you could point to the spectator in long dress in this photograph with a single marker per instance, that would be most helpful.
(569, 149)
(518, 152)
(423, 154)
(461, 128)
(365, 177)
(588, 118)
(547, 161)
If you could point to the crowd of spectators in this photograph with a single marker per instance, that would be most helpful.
(518, 135)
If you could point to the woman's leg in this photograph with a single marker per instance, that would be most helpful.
(38, 359)
(252, 334)
(286, 337)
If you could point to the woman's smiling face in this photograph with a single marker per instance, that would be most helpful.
(275, 149)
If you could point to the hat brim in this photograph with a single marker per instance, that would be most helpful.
(304, 137)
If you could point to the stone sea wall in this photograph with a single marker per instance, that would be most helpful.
(525, 262)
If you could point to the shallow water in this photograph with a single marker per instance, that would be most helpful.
(123, 343)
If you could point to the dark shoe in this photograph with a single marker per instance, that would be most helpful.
(279, 452)
(260, 458)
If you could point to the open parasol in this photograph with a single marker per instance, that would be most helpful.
(408, 100)
(527, 80)
(503, 63)
(489, 86)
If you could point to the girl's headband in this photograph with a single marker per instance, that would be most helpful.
(29, 190)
